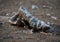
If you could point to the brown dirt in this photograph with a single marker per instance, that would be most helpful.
(9, 33)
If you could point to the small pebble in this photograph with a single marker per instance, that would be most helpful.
(53, 17)
(28, 31)
(34, 7)
(48, 23)
(52, 23)
(45, 6)
(48, 14)
(7, 14)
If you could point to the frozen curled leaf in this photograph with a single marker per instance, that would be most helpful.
(33, 21)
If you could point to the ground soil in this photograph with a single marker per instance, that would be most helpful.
(9, 33)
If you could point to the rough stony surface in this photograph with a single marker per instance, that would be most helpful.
(46, 10)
